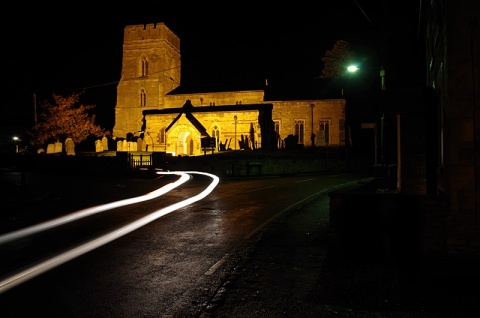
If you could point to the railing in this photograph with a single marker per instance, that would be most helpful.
(139, 161)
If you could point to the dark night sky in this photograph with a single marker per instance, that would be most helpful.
(61, 49)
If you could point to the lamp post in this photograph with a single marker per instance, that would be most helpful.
(353, 69)
(383, 167)
(312, 136)
(382, 124)
(16, 140)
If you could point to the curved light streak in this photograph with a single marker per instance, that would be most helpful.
(59, 259)
(93, 210)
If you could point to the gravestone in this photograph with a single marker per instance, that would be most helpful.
(58, 147)
(70, 147)
(120, 145)
(105, 143)
(98, 145)
(139, 144)
(50, 148)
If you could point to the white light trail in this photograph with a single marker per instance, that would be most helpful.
(59, 259)
(93, 210)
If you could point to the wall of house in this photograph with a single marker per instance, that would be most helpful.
(452, 30)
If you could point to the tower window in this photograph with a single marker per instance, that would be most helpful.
(144, 70)
(143, 98)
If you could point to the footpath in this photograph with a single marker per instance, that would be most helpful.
(292, 270)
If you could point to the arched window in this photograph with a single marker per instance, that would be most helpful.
(162, 136)
(324, 137)
(143, 98)
(216, 135)
(300, 131)
(277, 133)
(277, 128)
(144, 66)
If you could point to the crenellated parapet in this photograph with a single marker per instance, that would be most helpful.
(152, 31)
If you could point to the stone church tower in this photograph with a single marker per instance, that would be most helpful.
(179, 124)
(150, 69)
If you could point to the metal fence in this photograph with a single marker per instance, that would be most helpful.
(139, 161)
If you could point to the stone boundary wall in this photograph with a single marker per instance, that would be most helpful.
(233, 164)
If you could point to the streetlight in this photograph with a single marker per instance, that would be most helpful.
(16, 140)
(353, 69)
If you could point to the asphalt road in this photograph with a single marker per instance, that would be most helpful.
(171, 267)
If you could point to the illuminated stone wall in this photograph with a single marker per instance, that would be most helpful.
(215, 98)
(329, 110)
(151, 66)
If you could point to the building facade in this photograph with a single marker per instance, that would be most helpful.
(180, 123)
(451, 31)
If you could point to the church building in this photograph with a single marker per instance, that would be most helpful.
(190, 124)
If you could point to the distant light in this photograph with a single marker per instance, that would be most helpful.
(352, 68)
(16, 138)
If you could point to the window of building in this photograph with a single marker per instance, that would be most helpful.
(324, 137)
(144, 67)
(143, 98)
(276, 125)
(162, 136)
(216, 135)
(300, 131)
